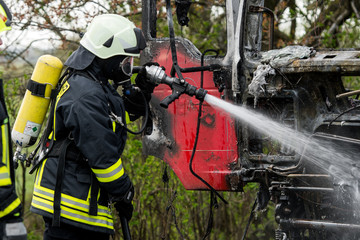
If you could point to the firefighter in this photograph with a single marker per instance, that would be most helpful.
(83, 173)
(11, 225)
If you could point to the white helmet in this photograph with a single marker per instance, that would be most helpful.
(110, 35)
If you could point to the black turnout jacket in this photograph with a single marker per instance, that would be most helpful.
(84, 115)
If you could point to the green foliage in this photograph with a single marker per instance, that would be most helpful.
(349, 34)
(351, 83)
(14, 91)
(328, 40)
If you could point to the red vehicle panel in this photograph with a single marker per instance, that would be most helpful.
(216, 148)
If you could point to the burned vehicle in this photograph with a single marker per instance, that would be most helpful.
(313, 182)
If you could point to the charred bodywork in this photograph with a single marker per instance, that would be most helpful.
(303, 91)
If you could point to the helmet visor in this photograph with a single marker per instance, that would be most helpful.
(127, 65)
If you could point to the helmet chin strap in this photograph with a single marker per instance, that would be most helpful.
(120, 78)
(111, 68)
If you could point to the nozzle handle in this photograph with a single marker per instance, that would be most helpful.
(169, 99)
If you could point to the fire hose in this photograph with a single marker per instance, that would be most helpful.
(125, 228)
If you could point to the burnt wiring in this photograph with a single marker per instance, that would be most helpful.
(213, 204)
(283, 75)
(250, 219)
(344, 112)
(287, 170)
(170, 205)
(172, 208)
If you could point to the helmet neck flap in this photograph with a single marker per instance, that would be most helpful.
(103, 69)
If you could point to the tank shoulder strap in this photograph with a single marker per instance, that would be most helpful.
(45, 144)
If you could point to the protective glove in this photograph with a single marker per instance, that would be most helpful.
(125, 209)
(134, 101)
(124, 204)
(135, 105)
(141, 81)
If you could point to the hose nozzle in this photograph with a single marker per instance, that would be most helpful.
(157, 75)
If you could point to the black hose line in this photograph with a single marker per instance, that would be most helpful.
(197, 135)
(146, 117)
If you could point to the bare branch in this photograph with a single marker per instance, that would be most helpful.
(330, 17)
(102, 6)
(20, 54)
(338, 21)
(352, 3)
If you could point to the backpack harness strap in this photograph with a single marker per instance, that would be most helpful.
(95, 187)
(65, 149)
(58, 185)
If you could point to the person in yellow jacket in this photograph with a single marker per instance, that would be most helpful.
(11, 225)
(82, 172)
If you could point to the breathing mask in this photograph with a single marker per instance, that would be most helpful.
(117, 68)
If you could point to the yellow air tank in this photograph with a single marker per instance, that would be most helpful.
(36, 101)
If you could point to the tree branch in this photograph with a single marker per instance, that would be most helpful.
(341, 18)
(331, 18)
(352, 3)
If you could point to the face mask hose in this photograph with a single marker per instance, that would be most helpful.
(157, 75)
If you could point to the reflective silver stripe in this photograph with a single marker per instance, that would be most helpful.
(69, 201)
(71, 215)
(110, 174)
(4, 175)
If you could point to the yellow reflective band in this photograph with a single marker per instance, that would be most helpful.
(50, 136)
(72, 214)
(10, 208)
(5, 144)
(114, 126)
(5, 179)
(111, 173)
(70, 201)
(5, 156)
(127, 118)
(63, 89)
(40, 173)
